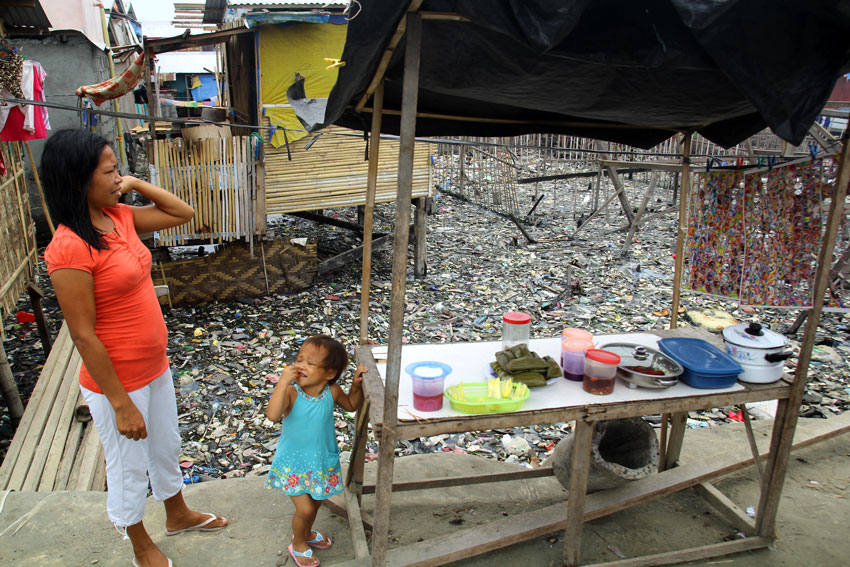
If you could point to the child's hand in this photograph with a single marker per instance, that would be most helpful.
(288, 376)
(358, 375)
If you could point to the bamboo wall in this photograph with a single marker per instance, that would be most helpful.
(18, 249)
(218, 177)
(333, 172)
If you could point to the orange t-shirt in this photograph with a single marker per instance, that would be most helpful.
(128, 317)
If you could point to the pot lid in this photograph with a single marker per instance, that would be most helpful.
(699, 356)
(644, 360)
(753, 335)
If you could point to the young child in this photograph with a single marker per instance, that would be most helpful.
(306, 462)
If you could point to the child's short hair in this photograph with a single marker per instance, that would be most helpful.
(336, 358)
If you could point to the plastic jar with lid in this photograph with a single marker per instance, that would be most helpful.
(572, 357)
(600, 371)
(573, 333)
(515, 329)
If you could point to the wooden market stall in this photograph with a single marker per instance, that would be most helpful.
(678, 67)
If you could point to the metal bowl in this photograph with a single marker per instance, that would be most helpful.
(644, 366)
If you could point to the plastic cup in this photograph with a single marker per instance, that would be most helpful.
(600, 371)
(573, 333)
(428, 379)
(572, 357)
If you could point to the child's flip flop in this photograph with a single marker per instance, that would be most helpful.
(308, 554)
(321, 541)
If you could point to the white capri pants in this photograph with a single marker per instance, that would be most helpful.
(128, 462)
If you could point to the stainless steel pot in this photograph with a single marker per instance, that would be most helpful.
(644, 366)
(760, 352)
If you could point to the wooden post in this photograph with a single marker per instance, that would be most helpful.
(651, 189)
(786, 421)
(683, 229)
(10, 389)
(36, 295)
(38, 187)
(386, 457)
(579, 471)
(420, 266)
(148, 87)
(369, 214)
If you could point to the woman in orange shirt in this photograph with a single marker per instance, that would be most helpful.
(101, 274)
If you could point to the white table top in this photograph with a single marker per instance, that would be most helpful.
(470, 362)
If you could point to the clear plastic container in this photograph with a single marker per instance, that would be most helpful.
(600, 371)
(572, 357)
(515, 329)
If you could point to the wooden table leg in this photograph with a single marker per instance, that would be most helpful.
(674, 441)
(354, 476)
(579, 471)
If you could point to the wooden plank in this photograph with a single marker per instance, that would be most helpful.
(351, 255)
(419, 232)
(69, 454)
(691, 554)
(37, 412)
(621, 194)
(60, 439)
(337, 505)
(465, 480)
(355, 521)
(407, 131)
(728, 509)
(636, 220)
(59, 412)
(579, 472)
(91, 452)
(369, 211)
(503, 532)
(684, 197)
(786, 422)
(678, 423)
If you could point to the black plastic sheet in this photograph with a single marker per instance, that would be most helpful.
(629, 72)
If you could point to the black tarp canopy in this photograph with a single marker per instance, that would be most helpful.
(625, 71)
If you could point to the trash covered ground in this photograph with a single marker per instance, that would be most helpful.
(226, 355)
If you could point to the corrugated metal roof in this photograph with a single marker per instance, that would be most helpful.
(23, 17)
(186, 62)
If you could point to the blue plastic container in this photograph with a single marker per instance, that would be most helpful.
(706, 366)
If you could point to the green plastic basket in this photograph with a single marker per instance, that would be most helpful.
(478, 402)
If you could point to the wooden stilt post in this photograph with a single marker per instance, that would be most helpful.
(786, 420)
(38, 187)
(420, 266)
(369, 213)
(634, 224)
(36, 295)
(386, 456)
(10, 389)
(684, 195)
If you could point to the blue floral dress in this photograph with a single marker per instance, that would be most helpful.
(307, 457)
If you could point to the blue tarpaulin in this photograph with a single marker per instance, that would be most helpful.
(207, 90)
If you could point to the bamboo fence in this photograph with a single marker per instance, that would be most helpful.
(333, 172)
(216, 176)
(18, 249)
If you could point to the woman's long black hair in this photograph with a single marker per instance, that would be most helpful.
(68, 162)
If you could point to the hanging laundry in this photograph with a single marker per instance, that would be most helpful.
(11, 67)
(756, 237)
(26, 122)
(116, 86)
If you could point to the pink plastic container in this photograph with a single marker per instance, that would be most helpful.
(572, 357)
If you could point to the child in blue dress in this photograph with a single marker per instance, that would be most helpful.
(306, 462)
